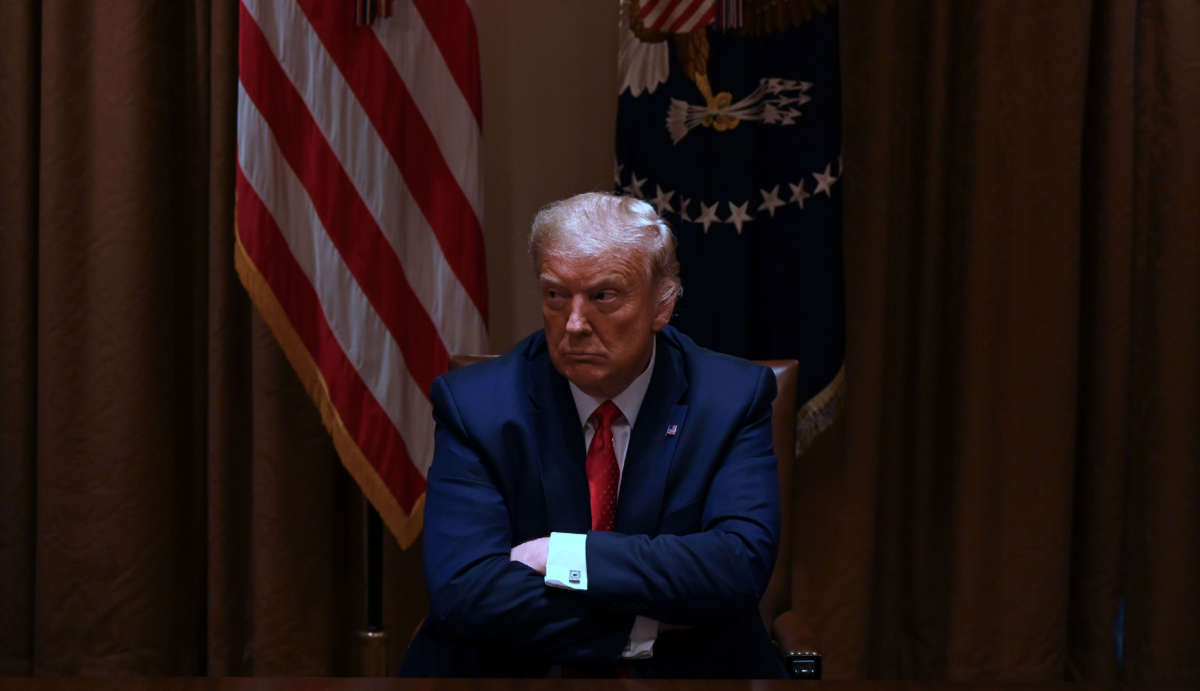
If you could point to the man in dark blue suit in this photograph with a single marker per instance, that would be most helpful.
(604, 497)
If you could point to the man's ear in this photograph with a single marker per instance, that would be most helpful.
(665, 309)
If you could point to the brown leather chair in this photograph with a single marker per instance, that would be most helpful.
(795, 641)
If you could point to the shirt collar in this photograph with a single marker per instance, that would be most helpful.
(629, 401)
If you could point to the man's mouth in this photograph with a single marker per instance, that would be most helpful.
(581, 355)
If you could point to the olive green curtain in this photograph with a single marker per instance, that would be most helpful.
(1016, 478)
(169, 501)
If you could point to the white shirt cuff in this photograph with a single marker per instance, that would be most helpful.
(566, 561)
(566, 567)
(641, 639)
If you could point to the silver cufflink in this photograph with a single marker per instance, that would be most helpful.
(573, 576)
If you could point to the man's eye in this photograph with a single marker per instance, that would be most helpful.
(604, 295)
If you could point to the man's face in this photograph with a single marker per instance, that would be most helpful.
(601, 316)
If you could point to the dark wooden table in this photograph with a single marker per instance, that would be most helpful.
(371, 684)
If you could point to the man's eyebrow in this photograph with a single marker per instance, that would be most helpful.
(606, 281)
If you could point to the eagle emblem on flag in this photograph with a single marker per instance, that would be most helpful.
(729, 123)
(644, 61)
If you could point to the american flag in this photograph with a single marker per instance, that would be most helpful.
(675, 16)
(358, 218)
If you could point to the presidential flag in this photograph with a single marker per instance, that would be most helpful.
(358, 217)
(729, 123)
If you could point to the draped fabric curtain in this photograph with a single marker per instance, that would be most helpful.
(169, 501)
(1014, 490)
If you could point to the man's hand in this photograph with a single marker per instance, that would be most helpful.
(532, 554)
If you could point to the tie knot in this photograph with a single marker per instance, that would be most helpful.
(605, 414)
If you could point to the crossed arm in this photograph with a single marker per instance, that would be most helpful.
(480, 584)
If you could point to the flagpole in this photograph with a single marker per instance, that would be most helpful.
(372, 641)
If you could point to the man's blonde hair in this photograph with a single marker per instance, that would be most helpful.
(597, 224)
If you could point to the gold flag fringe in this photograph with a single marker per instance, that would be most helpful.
(404, 526)
(772, 16)
(820, 411)
(366, 12)
(758, 17)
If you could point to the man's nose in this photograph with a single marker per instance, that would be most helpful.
(577, 323)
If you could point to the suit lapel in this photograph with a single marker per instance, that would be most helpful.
(652, 443)
(560, 448)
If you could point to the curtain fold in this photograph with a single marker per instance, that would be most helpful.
(1105, 333)
(170, 501)
(19, 65)
(1016, 496)
(113, 374)
(1162, 531)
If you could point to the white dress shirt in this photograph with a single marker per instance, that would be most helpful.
(566, 558)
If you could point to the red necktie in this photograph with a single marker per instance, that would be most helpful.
(602, 471)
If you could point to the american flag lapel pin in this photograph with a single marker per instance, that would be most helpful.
(672, 430)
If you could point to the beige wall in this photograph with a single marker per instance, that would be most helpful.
(549, 118)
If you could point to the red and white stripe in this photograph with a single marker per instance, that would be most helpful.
(675, 16)
(359, 203)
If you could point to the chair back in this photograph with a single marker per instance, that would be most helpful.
(778, 597)
(457, 361)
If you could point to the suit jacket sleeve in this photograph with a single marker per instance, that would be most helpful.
(722, 569)
(474, 589)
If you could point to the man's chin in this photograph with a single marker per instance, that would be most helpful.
(588, 376)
